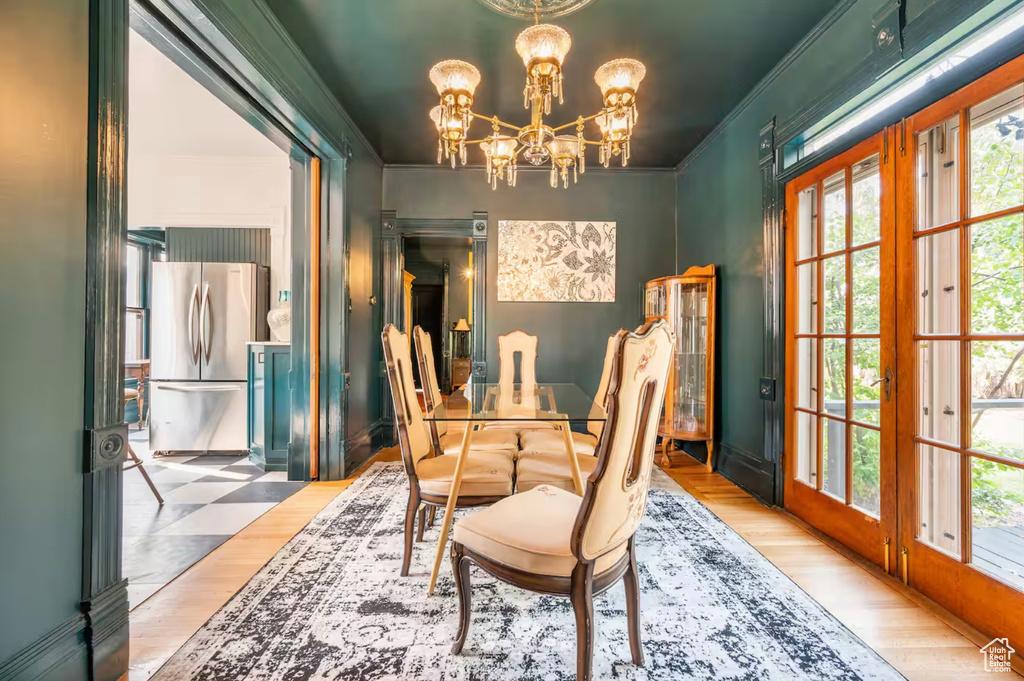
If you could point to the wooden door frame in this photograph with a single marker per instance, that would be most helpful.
(208, 50)
(394, 230)
(951, 582)
(841, 519)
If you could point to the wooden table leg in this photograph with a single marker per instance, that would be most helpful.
(574, 464)
(449, 509)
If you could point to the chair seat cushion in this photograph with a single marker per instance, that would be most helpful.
(530, 532)
(486, 474)
(482, 441)
(554, 441)
(551, 469)
(130, 393)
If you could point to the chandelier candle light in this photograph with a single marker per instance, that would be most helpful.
(543, 48)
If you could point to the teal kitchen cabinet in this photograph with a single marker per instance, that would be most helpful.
(269, 404)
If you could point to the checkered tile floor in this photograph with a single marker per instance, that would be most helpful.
(207, 499)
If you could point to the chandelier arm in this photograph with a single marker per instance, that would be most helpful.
(490, 119)
(577, 122)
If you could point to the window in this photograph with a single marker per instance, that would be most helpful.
(136, 306)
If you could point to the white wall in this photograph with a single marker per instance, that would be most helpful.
(193, 162)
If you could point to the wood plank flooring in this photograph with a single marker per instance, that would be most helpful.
(919, 639)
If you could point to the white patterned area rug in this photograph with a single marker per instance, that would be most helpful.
(331, 605)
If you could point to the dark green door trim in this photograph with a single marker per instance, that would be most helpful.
(104, 590)
(212, 48)
(393, 232)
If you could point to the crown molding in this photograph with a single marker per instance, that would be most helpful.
(634, 170)
(815, 33)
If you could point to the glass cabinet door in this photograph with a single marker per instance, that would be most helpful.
(690, 389)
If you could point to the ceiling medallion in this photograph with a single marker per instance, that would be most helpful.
(543, 48)
(528, 9)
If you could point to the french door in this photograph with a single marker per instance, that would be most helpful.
(905, 441)
(842, 352)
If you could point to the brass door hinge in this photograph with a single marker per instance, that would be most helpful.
(906, 568)
(885, 548)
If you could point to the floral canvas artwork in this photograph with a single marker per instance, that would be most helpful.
(567, 262)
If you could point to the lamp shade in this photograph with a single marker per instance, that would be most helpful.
(454, 74)
(463, 325)
(620, 74)
(564, 147)
(543, 41)
(614, 125)
(500, 147)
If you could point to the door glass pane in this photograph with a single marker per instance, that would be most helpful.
(807, 224)
(938, 498)
(997, 153)
(833, 226)
(867, 277)
(867, 193)
(939, 390)
(834, 376)
(867, 386)
(997, 387)
(997, 519)
(806, 447)
(938, 180)
(834, 458)
(807, 298)
(835, 294)
(997, 275)
(690, 357)
(807, 370)
(867, 491)
(938, 283)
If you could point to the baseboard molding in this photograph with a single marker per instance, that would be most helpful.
(106, 632)
(364, 444)
(740, 467)
(60, 653)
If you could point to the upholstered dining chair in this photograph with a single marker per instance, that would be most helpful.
(487, 476)
(521, 345)
(445, 440)
(551, 541)
(544, 459)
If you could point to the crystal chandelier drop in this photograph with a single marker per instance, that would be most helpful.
(543, 48)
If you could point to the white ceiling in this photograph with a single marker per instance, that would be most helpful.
(170, 114)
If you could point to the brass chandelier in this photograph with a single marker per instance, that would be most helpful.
(543, 48)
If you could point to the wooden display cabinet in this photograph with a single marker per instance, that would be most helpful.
(687, 303)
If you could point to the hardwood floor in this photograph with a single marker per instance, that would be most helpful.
(917, 638)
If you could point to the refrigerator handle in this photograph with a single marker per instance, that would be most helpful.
(204, 322)
(192, 340)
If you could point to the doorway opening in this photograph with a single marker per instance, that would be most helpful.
(211, 204)
(438, 297)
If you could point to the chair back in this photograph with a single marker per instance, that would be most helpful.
(616, 494)
(601, 398)
(428, 378)
(522, 344)
(413, 438)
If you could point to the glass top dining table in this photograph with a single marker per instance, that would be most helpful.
(553, 402)
(558, 404)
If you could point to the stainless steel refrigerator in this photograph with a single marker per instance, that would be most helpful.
(202, 315)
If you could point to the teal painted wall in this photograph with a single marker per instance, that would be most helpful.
(44, 117)
(573, 336)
